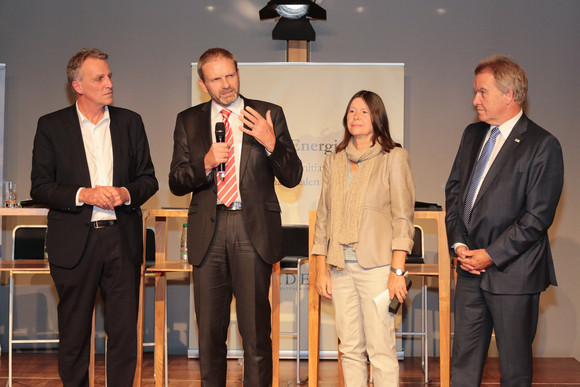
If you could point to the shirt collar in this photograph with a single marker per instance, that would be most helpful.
(506, 127)
(83, 119)
(236, 107)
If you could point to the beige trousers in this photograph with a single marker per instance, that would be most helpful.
(359, 328)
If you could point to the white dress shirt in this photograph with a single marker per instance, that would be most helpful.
(99, 152)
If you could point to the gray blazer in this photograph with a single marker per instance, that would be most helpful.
(387, 221)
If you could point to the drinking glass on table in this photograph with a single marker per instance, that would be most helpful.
(10, 194)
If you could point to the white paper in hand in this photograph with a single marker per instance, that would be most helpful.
(382, 303)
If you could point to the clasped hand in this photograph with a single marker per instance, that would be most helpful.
(473, 261)
(105, 197)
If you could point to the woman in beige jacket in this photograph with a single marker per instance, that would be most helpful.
(364, 231)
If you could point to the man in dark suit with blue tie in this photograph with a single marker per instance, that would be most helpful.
(91, 166)
(235, 232)
(501, 198)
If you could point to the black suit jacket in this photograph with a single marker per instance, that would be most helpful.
(514, 208)
(261, 209)
(59, 169)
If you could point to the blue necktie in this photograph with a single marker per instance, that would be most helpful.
(478, 174)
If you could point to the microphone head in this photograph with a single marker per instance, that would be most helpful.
(220, 132)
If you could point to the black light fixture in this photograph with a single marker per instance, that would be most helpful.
(294, 18)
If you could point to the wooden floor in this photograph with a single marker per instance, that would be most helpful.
(40, 370)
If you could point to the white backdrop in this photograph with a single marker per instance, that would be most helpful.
(314, 98)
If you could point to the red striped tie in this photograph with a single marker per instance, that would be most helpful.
(227, 190)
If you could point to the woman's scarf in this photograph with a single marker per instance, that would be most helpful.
(347, 205)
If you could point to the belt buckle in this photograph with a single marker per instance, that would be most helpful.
(98, 224)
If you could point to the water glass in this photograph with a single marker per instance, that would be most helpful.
(10, 194)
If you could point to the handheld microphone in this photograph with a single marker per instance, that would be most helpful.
(220, 136)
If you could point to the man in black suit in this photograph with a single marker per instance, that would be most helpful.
(501, 198)
(91, 166)
(234, 231)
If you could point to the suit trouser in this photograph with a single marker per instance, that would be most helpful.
(233, 267)
(514, 318)
(359, 328)
(104, 264)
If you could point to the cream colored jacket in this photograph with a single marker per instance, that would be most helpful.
(387, 221)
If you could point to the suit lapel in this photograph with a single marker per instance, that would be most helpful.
(246, 145)
(502, 160)
(77, 146)
(205, 122)
(472, 156)
(116, 143)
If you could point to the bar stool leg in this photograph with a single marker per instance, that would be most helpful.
(10, 329)
(298, 324)
(301, 261)
(425, 330)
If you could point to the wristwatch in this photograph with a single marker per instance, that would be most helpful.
(398, 272)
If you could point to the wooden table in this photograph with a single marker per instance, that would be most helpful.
(13, 267)
(161, 268)
(443, 273)
(23, 266)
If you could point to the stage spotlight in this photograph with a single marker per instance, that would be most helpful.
(293, 18)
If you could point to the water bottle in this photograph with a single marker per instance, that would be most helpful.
(183, 249)
(45, 253)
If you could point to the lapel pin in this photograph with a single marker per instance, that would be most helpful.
(517, 140)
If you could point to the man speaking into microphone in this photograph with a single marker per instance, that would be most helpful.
(220, 136)
(236, 232)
